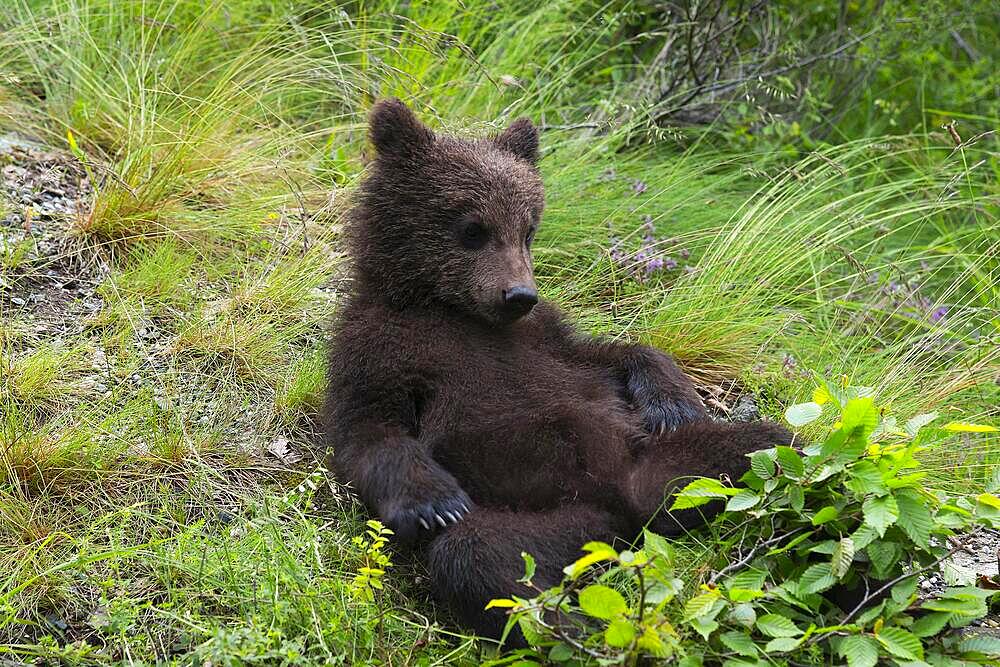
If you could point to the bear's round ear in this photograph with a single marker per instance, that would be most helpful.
(395, 130)
(521, 139)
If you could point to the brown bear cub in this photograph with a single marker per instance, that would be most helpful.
(466, 412)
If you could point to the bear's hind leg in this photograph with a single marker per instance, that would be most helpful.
(479, 558)
(705, 449)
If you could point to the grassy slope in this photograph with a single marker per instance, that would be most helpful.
(150, 518)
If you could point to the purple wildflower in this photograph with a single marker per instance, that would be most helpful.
(939, 314)
(654, 265)
(670, 263)
(638, 186)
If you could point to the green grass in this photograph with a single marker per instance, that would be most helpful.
(157, 496)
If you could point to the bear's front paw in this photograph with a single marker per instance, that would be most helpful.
(660, 414)
(407, 515)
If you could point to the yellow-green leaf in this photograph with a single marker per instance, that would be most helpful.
(598, 553)
(966, 427)
(820, 395)
(501, 603)
(602, 602)
(620, 633)
(989, 500)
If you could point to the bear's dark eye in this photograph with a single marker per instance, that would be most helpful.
(530, 237)
(474, 235)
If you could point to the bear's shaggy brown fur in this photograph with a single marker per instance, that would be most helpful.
(471, 419)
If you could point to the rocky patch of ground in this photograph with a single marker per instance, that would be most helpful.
(47, 285)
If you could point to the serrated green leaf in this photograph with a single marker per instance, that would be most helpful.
(842, 557)
(602, 602)
(914, 517)
(700, 605)
(859, 650)
(704, 625)
(825, 515)
(796, 497)
(985, 644)
(653, 645)
(816, 579)
(663, 591)
(762, 464)
(864, 477)
(968, 607)
(801, 414)
(656, 545)
(904, 590)
(826, 472)
(791, 463)
(751, 579)
(782, 644)
(930, 624)
(743, 500)
(824, 547)
(870, 614)
(620, 633)
(901, 643)
(859, 417)
(700, 491)
(880, 513)
(884, 556)
(739, 642)
(774, 625)
(863, 536)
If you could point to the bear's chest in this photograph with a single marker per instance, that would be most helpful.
(509, 381)
(515, 422)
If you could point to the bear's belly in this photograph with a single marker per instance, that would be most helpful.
(535, 438)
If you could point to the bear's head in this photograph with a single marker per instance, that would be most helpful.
(448, 220)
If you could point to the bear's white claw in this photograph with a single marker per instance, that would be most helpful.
(465, 508)
(424, 524)
(440, 520)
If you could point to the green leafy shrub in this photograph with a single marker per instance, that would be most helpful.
(819, 559)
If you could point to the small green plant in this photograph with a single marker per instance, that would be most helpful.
(824, 548)
(13, 254)
(374, 560)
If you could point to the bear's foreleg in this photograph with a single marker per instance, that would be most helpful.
(409, 490)
(650, 380)
(705, 449)
(660, 390)
(479, 559)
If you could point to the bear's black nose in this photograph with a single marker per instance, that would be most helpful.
(519, 300)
